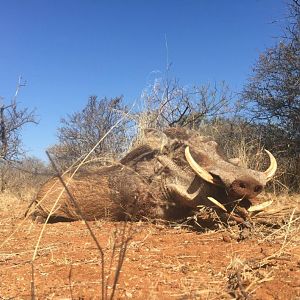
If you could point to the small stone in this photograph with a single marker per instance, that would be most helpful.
(128, 295)
(226, 238)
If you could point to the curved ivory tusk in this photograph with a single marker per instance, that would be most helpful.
(217, 203)
(179, 190)
(202, 173)
(272, 168)
(260, 207)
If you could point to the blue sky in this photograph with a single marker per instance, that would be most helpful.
(69, 50)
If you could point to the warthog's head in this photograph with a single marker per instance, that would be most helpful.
(240, 184)
(199, 170)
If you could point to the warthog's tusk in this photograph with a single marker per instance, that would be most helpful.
(272, 168)
(202, 173)
(217, 203)
(182, 192)
(259, 207)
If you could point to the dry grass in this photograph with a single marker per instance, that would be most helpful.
(171, 263)
(161, 261)
(12, 205)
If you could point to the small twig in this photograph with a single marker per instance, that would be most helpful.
(287, 231)
(80, 163)
(70, 281)
(276, 231)
(78, 210)
(122, 253)
(241, 286)
(32, 282)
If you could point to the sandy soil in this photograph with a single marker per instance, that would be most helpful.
(160, 262)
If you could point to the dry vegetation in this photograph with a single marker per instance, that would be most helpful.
(199, 258)
(160, 261)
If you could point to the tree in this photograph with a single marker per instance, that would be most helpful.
(273, 91)
(12, 120)
(80, 131)
(168, 104)
(22, 179)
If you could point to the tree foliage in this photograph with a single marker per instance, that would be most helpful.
(12, 120)
(273, 94)
(274, 89)
(166, 103)
(80, 131)
(169, 104)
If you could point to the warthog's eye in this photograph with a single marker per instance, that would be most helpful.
(242, 185)
(258, 189)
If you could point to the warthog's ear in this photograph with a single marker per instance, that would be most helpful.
(156, 139)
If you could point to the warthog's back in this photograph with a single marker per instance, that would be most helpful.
(112, 193)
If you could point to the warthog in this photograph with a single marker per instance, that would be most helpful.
(166, 177)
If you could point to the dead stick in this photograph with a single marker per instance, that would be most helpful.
(78, 210)
(32, 282)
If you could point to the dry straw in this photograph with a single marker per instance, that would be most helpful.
(65, 188)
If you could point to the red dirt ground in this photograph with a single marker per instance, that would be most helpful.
(160, 262)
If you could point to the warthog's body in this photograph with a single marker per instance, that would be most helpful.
(154, 180)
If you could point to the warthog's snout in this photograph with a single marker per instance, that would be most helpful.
(245, 188)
